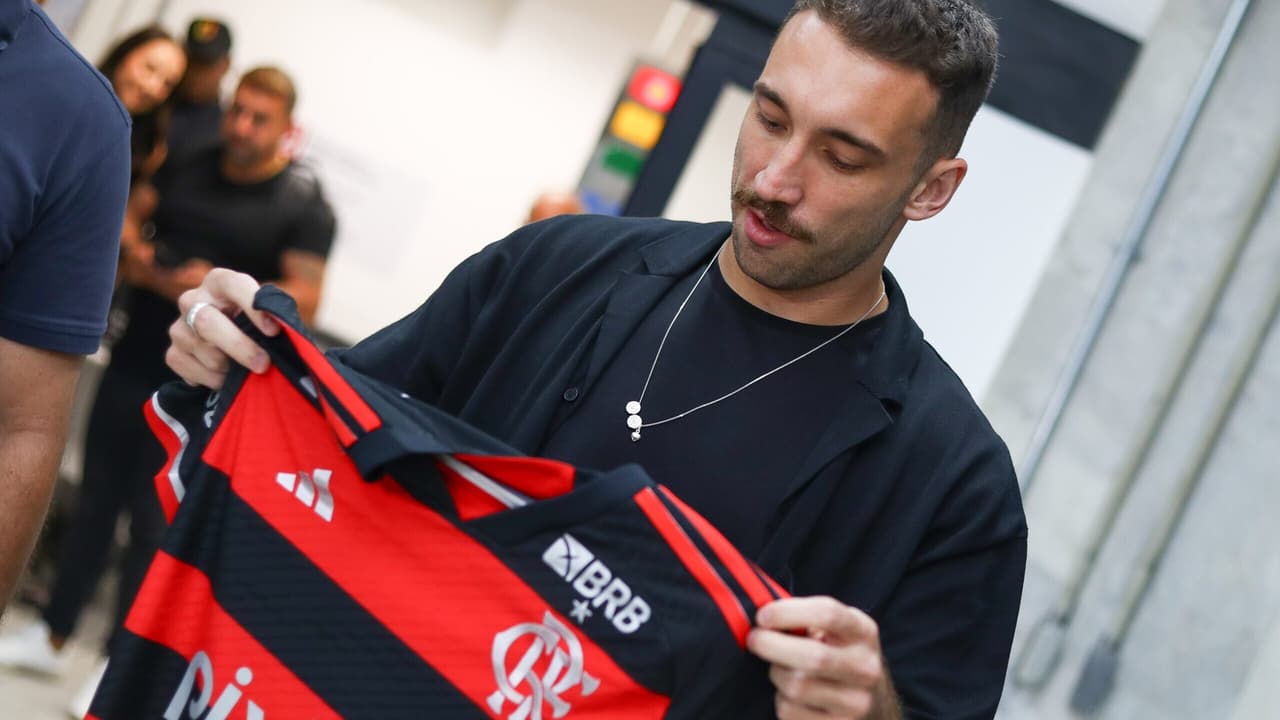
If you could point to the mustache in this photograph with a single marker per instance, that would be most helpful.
(776, 214)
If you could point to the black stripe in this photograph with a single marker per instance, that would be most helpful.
(1059, 71)
(348, 658)
(124, 693)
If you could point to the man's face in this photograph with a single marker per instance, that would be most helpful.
(253, 126)
(826, 158)
(203, 81)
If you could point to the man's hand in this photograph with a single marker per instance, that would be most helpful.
(203, 357)
(834, 670)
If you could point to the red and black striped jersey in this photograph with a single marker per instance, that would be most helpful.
(337, 549)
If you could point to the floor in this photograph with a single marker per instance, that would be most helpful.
(28, 697)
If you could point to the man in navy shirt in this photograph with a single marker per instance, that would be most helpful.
(64, 176)
(767, 369)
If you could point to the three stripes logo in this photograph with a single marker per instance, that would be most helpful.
(311, 489)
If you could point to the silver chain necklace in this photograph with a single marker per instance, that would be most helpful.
(636, 423)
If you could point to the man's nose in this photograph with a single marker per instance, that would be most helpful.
(781, 180)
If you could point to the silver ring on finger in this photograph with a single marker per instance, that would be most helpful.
(191, 316)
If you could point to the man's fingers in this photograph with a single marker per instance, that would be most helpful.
(233, 292)
(787, 709)
(191, 370)
(857, 664)
(805, 693)
(216, 332)
(832, 620)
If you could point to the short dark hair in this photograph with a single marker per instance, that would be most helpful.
(953, 42)
(273, 81)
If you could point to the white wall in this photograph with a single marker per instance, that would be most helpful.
(436, 122)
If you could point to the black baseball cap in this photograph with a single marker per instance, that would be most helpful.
(208, 40)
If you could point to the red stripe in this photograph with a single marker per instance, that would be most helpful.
(175, 607)
(172, 445)
(734, 614)
(440, 591)
(738, 566)
(319, 365)
(538, 478)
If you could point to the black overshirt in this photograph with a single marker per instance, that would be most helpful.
(905, 506)
(719, 343)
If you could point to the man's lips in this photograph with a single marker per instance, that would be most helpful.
(760, 232)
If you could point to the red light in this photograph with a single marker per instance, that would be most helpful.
(654, 88)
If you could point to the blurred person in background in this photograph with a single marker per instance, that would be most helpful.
(64, 172)
(144, 67)
(552, 203)
(197, 107)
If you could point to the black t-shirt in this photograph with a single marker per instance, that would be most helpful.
(241, 226)
(193, 127)
(719, 342)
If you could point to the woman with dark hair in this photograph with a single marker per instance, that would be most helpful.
(144, 68)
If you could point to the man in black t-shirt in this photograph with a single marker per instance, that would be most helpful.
(242, 204)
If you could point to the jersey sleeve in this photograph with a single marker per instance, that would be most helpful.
(56, 287)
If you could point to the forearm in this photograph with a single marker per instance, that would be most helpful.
(306, 294)
(28, 466)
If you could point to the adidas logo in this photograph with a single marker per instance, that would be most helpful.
(593, 580)
(311, 490)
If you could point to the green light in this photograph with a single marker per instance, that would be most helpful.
(623, 162)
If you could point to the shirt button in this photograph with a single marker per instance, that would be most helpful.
(571, 394)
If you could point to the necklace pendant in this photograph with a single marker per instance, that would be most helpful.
(634, 422)
(635, 436)
(633, 408)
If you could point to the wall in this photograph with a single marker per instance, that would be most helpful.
(435, 123)
(1203, 641)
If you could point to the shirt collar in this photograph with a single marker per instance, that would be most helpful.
(886, 371)
(12, 15)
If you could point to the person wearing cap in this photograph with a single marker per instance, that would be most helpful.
(197, 108)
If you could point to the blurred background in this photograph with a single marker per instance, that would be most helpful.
(1106, 282)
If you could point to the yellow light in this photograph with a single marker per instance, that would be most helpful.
(633, 123)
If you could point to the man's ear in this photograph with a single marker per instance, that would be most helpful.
(935, 189)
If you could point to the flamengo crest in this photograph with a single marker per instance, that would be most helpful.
(520, 684)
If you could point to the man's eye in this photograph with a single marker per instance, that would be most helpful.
(841, 165)
(768, 124)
